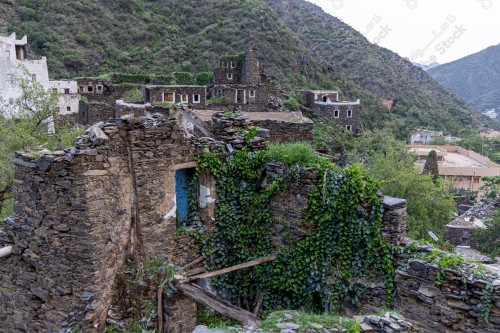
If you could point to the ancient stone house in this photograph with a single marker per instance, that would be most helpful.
(326, 103)
(68, 101)
(14, 56)
(240, 81)
(123, 191)
(194, 97)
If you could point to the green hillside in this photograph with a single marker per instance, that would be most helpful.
(300, 46)
(476, 78)
(420, 100)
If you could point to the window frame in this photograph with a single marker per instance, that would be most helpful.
(198, 100)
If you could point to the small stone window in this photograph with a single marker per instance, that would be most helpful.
(68, 108)
(232, 64)
(348, 127)
(99, 88)
(251, 93)
(336, 113)
(90, 89)
(349, 113)
(184, 98)
(66, 91)
(82, 89)
(168, 97)
(33, 77)
(325, 99)
(229, 76)
(196, 98)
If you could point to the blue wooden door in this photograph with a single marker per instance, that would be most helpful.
(181, 193)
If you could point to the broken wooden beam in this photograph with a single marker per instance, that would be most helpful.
(229, 269)
(5, 251)
(196, 271)
(224, 308)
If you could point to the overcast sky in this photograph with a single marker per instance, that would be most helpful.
(422, 30)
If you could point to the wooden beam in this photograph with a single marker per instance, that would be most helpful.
(224, 308)
(195, 271)
(229, 269)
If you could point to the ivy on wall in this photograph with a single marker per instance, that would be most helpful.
(317, 273)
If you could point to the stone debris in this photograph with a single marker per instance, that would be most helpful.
(388, 323)
(232, 130)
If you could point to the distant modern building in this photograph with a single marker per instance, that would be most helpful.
(423, 136)
(326, 103)
(14, 58)
(465, 168)
(490, 134)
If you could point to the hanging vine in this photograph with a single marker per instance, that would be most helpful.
(318, 272)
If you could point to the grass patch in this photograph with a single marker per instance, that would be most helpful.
(299, 153)
(7, 210)
(211, 319)
(303, 319)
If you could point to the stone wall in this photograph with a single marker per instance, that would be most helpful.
(91, 113)
(80, 213)
(158, 94)
(103, 91)
(341, 117)
(453, 306)
(281, 131)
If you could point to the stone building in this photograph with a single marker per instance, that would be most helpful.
(460, 231)
(194, 97)
(14, 57)
(326, 103)
(239, 80)
(69, 99)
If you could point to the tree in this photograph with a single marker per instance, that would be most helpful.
(491, 187)
(24, 126)
(430, 205)
(431, 166)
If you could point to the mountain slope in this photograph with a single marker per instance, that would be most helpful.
(421, 100)
(300, 46)
(476, 78)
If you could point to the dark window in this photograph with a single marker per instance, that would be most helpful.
(348, 127)
(68, 108)
(66, 91)
(325, 99)
(90, 89)
(196, 98)
(349, 114)
(336, 114)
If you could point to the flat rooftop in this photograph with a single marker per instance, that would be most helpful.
(287, 117)
(456, 160)
(454, 157)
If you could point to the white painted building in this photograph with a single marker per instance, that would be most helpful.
(13, 57)
(69, 98)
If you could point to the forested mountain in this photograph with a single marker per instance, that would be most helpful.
(476, 78)
(300, 46)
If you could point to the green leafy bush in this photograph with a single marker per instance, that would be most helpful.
(298, 153)
(488, 238)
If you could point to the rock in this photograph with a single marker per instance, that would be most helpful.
(287, 317)
(287, 331)
(365, 327)
(429, 291)
(288, 326)
(315, 326)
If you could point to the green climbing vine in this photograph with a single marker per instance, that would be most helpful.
(318, 272)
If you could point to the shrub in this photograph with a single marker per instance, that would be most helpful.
(489, 237)
(299, 153)
(133, 96)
